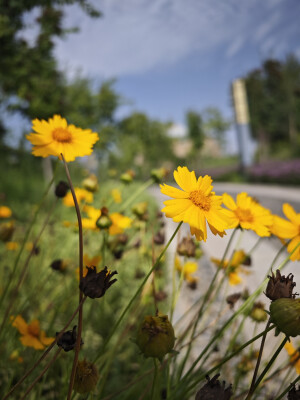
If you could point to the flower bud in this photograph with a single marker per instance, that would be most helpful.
(155, 336)
(6, 231)
(158, 174)
(86, 377)
(127, 176)
(285, 314)
(90, 183)
(258, 313)
(140, 209)
(186, 247)
(104, 221)
(67, 340)
(61, 189)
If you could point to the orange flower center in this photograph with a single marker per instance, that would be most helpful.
(62, 135)
(34, 330)
(200, 200)
(244, 215)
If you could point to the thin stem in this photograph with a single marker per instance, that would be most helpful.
(204, 301)
(140, 288)
(255, 246)
(15, 291)
(268, 366)
(281, 396)
(251, 390)
(41, 374)
(80, 313)
(25, 239)
(153, 391)
(136, 194)
(216, 367)
(45, 352)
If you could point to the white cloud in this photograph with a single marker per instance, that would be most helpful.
(136, 36)
(177, 131)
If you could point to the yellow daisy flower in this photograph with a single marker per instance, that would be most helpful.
(294, 356)
(55, 136)
(195, 204)
(248, 214)
(116, 195)
(285, 229)
(238, 258)
(119, 223)
(12, 245)
(94, 214)
(188, 268)
(5, 212)
(31, 334)
(82, 196)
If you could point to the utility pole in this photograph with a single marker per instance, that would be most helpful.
(241, 112)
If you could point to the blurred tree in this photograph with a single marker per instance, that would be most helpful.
(195, 129)
(215, 124)
(273, 96)
(143, 142)
(30, 81)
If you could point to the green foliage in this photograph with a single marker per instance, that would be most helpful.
(274, 103)
(195, 128)
(215, 124)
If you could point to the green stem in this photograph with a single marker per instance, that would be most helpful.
(153, 390)
(27, 233)
(252, 387)
(238, 312)
(139, 290)
(136, 194)
(281, 396)
(229, 357)
(268, 366)
(80, 312)
(205, 299)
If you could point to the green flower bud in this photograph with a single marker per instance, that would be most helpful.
(155, 336)
(158, 174)
(6, 231)
(86, 377)
(258, 313)
(285, 314)
(90, 183)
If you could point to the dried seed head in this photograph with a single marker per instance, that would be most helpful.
(67, 341)
(61, 189)
(232, 299)
(186, 247)
(214, 390)
(280, 286)
(86, 377)
(95, 284)
(159, 237)
(294, 394)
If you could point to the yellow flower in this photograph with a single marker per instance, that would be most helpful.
(294, 356)
(55, 137)
(239, 256)
(31, 334)
(195, 204)
(82, 195)
(5, 212)
(288, 229)
(119, 223)
(12, 245)
(188, 268)
(94, 214)
(116, 195)
(248, 214)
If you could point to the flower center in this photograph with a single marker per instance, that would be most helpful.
(200, 200)
(34, 330)
(244, 215)
(62, 135)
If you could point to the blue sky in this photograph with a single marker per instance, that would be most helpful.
(172, 55)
